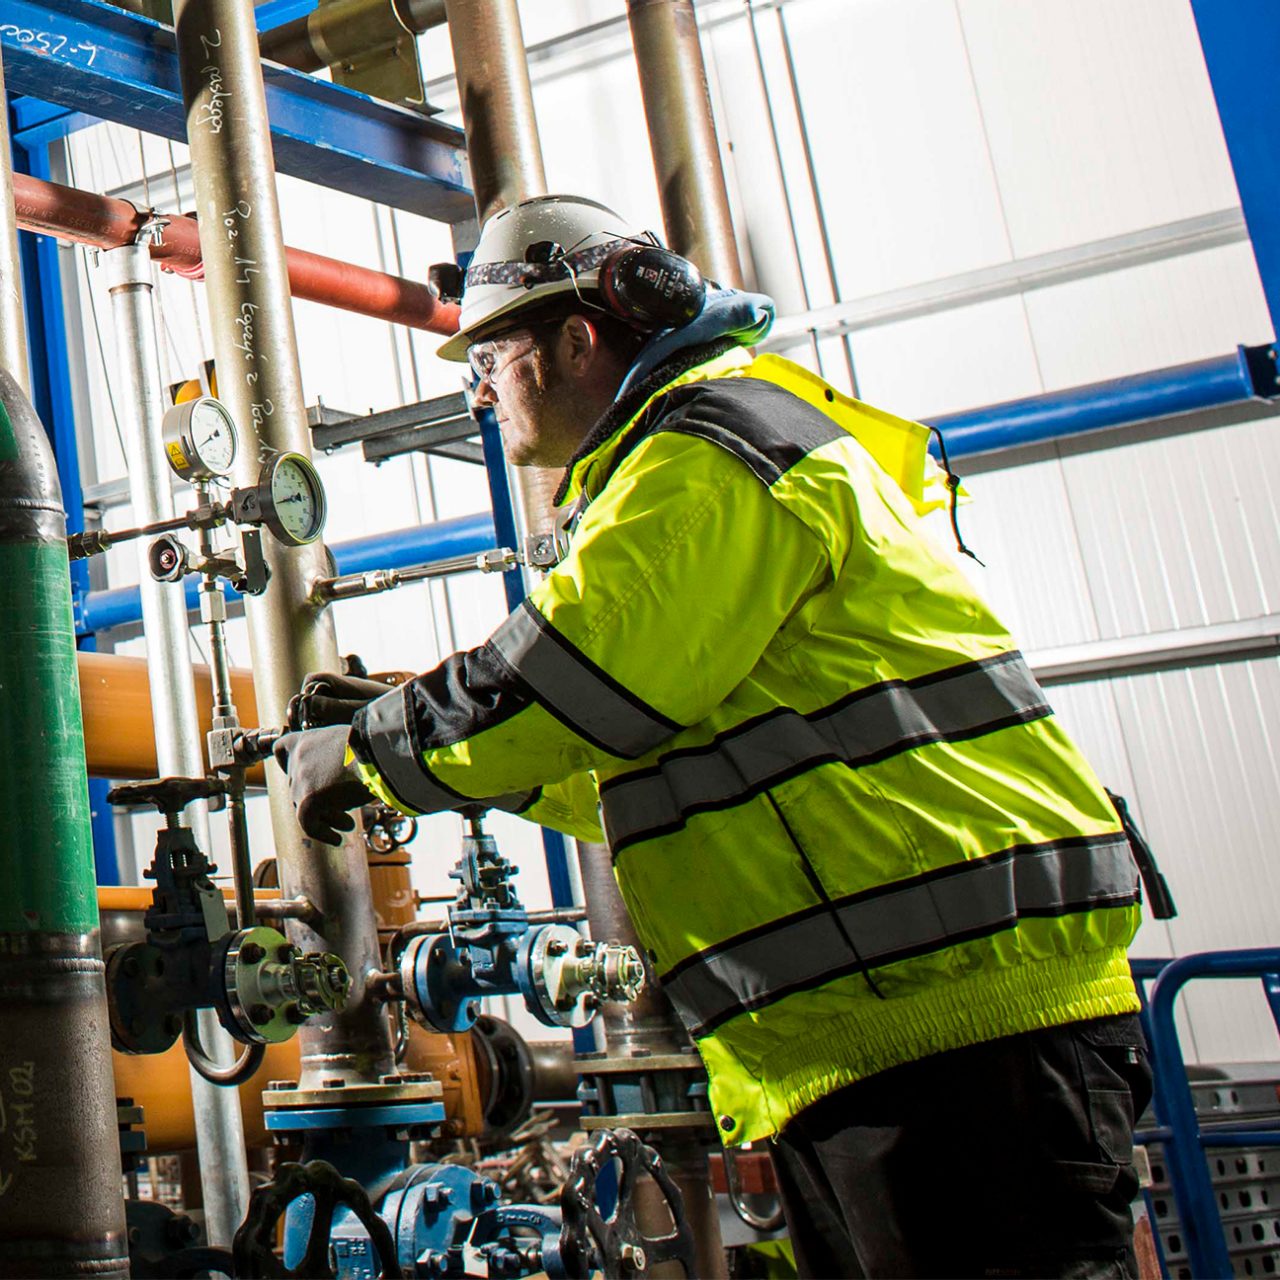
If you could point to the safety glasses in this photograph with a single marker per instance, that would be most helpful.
(489, 360)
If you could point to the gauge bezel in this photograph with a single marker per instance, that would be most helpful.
(267, 504)
(180, 449)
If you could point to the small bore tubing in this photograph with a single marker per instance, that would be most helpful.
(104, 222)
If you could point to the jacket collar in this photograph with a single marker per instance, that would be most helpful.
(594, 461)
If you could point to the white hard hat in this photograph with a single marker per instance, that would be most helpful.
(531, 252)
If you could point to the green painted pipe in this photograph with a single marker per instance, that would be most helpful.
(61, 1211)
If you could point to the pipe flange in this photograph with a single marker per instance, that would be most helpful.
(271, 988)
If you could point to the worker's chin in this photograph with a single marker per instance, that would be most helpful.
(525, 453)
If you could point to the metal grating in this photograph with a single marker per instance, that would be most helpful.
(1246, 1182)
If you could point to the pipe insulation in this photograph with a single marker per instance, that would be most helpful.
(61, 1211)
(103, 222)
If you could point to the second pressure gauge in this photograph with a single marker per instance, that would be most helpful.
(288, 499)
(200, 439)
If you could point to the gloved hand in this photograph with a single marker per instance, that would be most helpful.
(326, 698)
(321, 785)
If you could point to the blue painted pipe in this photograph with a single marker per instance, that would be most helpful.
(1162, 393)
(464, 535)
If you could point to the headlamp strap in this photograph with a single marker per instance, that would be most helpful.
(560, 266)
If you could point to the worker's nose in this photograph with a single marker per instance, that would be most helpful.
(484, 395)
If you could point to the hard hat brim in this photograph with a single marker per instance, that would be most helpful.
(455, 347)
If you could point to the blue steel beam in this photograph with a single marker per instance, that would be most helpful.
(275, 13)
(1248, 374)
(1241, 43)
(102, 61)
(465, 535)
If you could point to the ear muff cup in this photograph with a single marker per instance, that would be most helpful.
(651, 287)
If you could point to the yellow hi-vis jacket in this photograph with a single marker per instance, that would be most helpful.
(848, 828)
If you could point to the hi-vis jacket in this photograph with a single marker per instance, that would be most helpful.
(848, 828)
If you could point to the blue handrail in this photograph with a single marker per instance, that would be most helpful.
(1180, 1132)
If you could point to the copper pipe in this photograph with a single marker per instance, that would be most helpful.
(116, 700)
(104, 222)
(682, 136)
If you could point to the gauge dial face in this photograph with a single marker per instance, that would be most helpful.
(199, 439)
(213, 435)
(296, 500)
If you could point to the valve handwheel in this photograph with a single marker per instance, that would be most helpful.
(590, 1242)
(255, 1258)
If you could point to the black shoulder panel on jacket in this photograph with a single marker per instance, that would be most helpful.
(765, 425)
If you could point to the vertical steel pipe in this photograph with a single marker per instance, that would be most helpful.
(505, 157)
(644, 1028)
(648, 1024)
(224, 1173)
(497, 103)
(13, 330)
(258, 376)
(682, 136)
(61, 1211)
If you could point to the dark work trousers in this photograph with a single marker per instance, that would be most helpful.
(1011, 1158)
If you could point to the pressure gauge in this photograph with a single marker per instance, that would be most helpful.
(288, 499)
(200, 439)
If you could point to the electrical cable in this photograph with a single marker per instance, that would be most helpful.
(953, 483)
(237, 1073)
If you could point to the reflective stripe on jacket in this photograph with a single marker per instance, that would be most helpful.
(846, 823)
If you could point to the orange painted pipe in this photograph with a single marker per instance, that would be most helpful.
(119, 738)
(106, 223)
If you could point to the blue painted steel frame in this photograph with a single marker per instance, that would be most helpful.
(1241, 43)
(1184, 1141)
(99, 60)
(555, 848)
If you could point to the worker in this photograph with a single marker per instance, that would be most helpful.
(883, 889)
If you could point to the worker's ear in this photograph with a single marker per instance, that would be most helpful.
(579, 344)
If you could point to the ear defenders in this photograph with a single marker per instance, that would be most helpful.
(651, 287)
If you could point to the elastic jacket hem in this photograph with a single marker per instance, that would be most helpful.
(878, 1035)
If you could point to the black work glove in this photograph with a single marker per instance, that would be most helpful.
(322, 787)
(326, 698)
